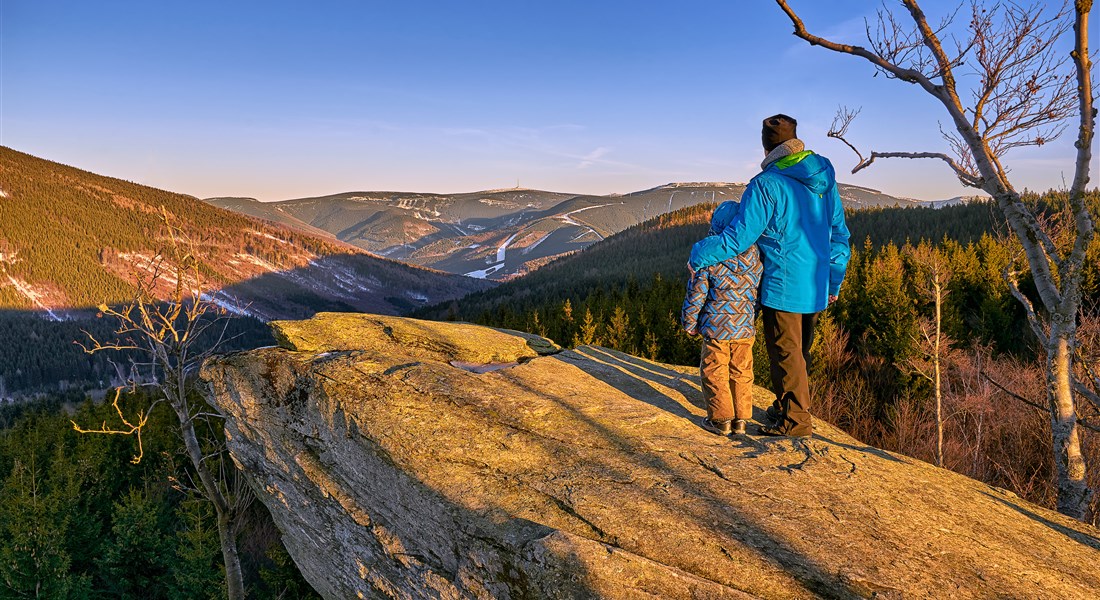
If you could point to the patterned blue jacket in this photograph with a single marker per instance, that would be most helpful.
(721, 298)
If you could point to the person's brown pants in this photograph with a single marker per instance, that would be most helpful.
(726, 369)
(788, 337)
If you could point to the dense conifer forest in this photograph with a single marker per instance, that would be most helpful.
(628, 289)
(79, 520)
(44, 356)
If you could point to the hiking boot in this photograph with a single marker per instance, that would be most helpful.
(739, 426)
(773, 413)
(717, 427)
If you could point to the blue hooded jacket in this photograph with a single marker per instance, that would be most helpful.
(721, 299)
(792, 212)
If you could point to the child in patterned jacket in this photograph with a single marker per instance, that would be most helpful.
(721, 307)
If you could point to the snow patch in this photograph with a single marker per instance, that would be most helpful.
(504, 247)
(229, 303)
(35, 296)
(568, 217)
(584, 234)
(268, 236)
(483, 273)
(255, 260)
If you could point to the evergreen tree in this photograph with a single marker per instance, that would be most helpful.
(197, 572)
(587, 335)
(135, 563)
(619, 332)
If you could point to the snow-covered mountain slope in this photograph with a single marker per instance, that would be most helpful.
(495, 234)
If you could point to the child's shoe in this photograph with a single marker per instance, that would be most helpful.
(718, 427)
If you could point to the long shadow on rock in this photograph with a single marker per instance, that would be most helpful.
(864, 449)
(647, 374)
(644, 382)
(666, 481)
(1077, 536)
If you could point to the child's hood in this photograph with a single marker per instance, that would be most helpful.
(723, 216)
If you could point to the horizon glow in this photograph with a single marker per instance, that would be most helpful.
(280, 100)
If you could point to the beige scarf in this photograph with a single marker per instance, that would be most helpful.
(787, 148)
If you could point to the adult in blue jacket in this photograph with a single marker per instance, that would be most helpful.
(793, 213)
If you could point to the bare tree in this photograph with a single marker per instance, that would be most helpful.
(1023, 95)
(933, 275)
(171, 325)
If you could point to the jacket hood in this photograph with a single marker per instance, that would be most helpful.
(811, 170)
(723, 215)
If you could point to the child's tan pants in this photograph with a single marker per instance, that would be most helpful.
(726, 369)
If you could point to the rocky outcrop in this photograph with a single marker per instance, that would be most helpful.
(392, 472)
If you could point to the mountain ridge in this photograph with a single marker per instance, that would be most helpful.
(496, 234)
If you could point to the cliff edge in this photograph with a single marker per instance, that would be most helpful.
(413, 459)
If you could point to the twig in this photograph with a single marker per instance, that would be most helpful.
(839, 128)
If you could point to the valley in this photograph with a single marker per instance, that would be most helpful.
(71, 241)
(496, 234)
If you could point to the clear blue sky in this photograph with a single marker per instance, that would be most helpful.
(278, 100)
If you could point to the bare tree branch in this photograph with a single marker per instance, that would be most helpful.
(909, 75)
(1031, 403)
(1088, 394)
(1011, 277)
(839, 129)
(966, 178)
(129, 428)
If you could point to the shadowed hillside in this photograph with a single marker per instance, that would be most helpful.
(71, 239)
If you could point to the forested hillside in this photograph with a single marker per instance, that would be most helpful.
(871, 352)
(70, 239)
